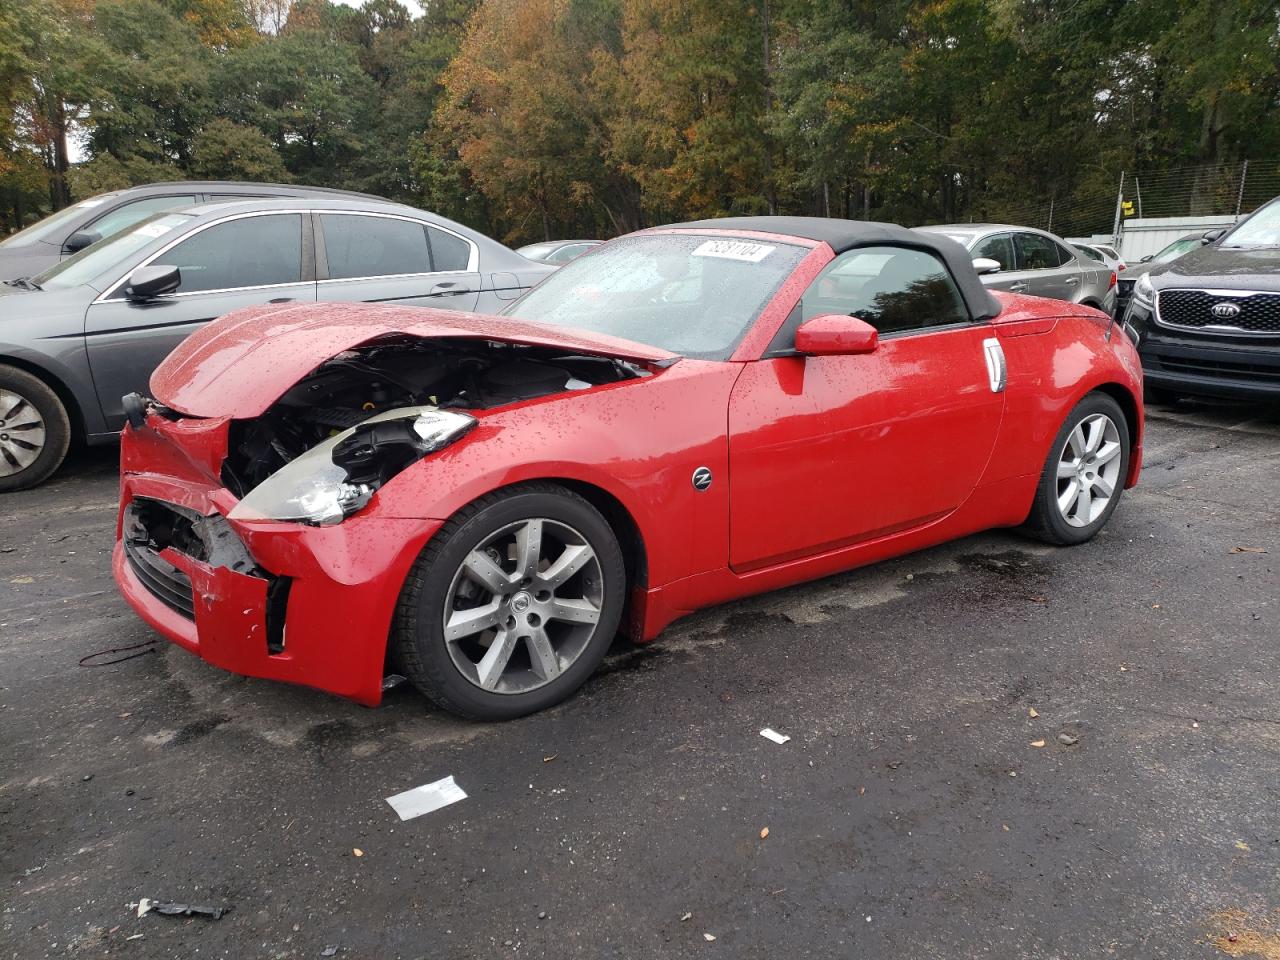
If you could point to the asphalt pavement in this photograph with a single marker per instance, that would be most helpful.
(997, 750)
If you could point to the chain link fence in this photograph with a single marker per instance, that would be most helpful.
(1203, 190)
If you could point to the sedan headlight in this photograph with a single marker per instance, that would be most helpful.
(337, 478)
(1144, 292)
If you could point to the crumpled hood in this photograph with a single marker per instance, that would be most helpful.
(242, 363)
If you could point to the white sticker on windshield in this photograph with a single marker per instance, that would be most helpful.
(734, 250)
(157, 228)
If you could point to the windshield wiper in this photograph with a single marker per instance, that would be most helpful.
(26, 283)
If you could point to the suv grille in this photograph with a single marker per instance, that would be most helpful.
(1259, 312)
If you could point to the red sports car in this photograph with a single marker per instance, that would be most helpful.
(682, 416)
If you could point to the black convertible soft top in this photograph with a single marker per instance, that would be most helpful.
(842, 235)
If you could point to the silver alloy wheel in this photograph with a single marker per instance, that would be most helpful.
(523, 606)
(1088, 470)
(22, 434)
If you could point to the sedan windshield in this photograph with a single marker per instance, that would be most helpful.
(686, 293)
(1176, 249)
(105, 254)
(1260, 230)
(50, 229)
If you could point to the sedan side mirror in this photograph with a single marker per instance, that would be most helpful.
(1213, 235)
(985, 265)
(79, 240)
(834, 334)
(1148, 258)
(147, 283)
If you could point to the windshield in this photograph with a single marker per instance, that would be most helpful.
(105, 254)
(1260, 230)
(1176, 249)
(536, 251)
(51, 228)
(689, 294)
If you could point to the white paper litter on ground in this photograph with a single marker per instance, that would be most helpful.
(427, 798)
(770, 734)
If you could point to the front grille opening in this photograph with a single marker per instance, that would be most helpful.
(152, 526)
(162, 579)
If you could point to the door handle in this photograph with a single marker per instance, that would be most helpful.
(1073, 279)
(1017, 287)
(447, 288)
(997, 371)
(281, 300)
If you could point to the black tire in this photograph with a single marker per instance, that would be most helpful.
(1160, 395)
(57, 430)
(1046, 521)
(418, 643)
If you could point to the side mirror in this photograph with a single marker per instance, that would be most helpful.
(834, 334)
(147, 283)
(79, 240)
(1213, 235)
(1148, 258)
(985, 265)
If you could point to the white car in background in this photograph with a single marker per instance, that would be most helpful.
(1100, 253)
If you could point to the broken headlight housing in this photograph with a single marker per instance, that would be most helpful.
(337, 478)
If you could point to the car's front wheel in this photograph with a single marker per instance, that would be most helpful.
(35, 431)
(512, 605)
(1084, 474)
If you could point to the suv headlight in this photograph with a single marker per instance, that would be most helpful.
(1144, 292)
(337, 478)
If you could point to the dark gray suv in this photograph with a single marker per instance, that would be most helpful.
(70, 230)
(78, 337)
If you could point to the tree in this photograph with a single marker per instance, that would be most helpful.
(518, 101)
(153, 83)
(308, 96)
(230, 151)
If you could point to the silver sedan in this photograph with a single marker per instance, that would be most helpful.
(1034, 262)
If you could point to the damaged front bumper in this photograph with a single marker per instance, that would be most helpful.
(282, 601)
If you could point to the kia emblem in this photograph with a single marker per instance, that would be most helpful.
(1225, 310)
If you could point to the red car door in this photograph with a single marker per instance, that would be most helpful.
(828, 451)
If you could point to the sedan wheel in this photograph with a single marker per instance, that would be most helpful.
(35, 431)
(512, 604)
(22, 433)
(1082, 480)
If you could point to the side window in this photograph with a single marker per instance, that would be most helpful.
(1065, 255)
(1038, 253)
(891, 288)
(1091, 253)
(109, 224)
(373, 246)
(249, 252)
(998, 248)
(447, 251)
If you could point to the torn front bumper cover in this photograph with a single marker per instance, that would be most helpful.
(282, 601)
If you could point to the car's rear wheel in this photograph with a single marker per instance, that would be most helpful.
(35, 431)
(512, 605)
(1084, 474)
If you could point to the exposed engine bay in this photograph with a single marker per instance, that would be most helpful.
(397, 373)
